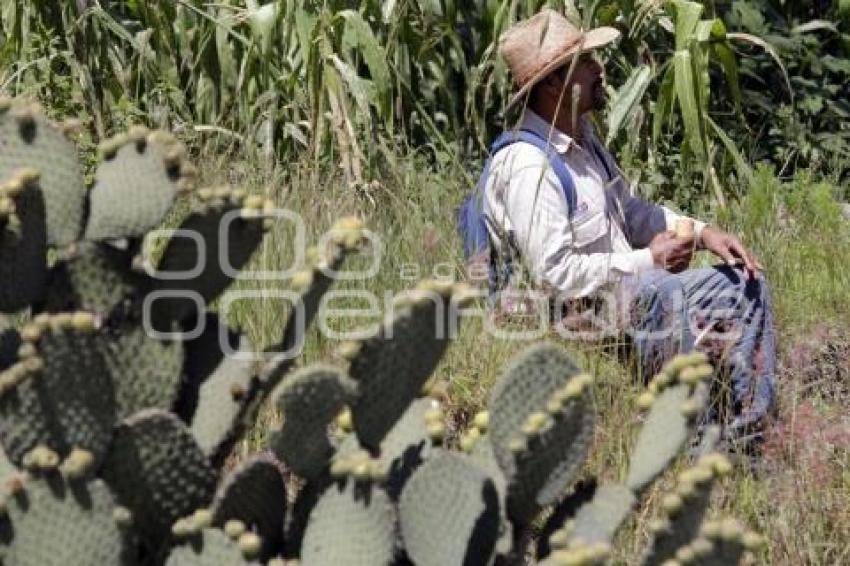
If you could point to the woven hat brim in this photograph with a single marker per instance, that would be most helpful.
(593, 39)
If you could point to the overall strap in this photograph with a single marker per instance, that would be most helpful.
(555, 161)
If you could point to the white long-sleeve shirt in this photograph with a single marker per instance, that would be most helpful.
(605, 240)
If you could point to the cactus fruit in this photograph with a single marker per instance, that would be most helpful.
(449, 512)
(31, 140)
(309, 401)
(50, 523)
(352, 524)
(254, 494)
(539, 447)
(135, 184)
(61, 394)
(158, 472)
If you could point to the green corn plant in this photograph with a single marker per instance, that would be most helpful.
(115, 441)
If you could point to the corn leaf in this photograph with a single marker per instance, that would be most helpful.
(726, 57)
(740, 163)
(687, 95)
(665, 103)
(627, 100)
(687, 18)
(358, 34)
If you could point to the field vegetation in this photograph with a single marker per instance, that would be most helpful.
(734, 111)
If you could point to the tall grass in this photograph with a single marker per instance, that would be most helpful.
(796, 495)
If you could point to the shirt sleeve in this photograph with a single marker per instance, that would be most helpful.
(547, 238)
(645, 220)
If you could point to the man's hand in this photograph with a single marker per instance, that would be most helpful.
(730, 249)
(671, 253)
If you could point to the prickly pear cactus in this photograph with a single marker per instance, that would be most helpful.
(118, 444)
(32, 141)
(450, 512)
(255, 495)
(136, 183)
(158, 472)
(541, 425)
(353, 523)
(60, 392)
(48, 521)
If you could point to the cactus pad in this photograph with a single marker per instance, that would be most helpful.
(60, 394)
(310, 400)
(254, 493)
(449, 513)
(135, 185)
(392, 366)
(214, 383)
(23, 241)
(406, 446)
(92, 276)
(225, 248)
(210, 547)
(662, 436)
(352, 524)
(541, 426)
(598, 520)
(146, 371)
(31, 140)
(158, 472)
(52, 523)
(684, 509)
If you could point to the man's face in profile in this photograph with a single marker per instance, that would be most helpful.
(588, 77)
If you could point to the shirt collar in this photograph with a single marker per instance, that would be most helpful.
(559, 140)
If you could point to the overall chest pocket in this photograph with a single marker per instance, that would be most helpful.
(591, 232)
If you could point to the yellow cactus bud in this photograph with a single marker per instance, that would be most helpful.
(202, 518)
(534, 424)
(672, 504)
(250, 544)
(482, 420)
(690, 409)
(77, 464)
(436, 431)
(234, 528)
(731, 530)
(711, 530)
(686, 555)
(434, 415)
(182, 529)
(702, 547)
(30, 333)
(84, 321)
(122, 516)
(645, 401)
(301, 281)
(573, 389)
(345, 420)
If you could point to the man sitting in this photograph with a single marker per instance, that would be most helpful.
(594, 238)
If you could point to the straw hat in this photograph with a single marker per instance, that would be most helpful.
(534, 48)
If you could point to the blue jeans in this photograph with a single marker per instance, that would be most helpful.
(718, 311)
